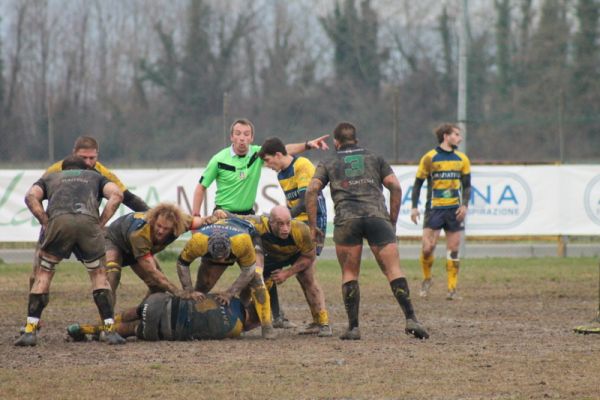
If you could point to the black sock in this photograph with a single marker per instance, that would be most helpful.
(37, 303)
(402, 295)
(351, 295)
(274, 301)
(103, 302)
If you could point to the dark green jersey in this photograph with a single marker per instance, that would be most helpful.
(73, 191)
(355, 176)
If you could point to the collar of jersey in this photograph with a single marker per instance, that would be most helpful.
(234, 154)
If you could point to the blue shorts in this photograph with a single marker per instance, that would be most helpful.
(443, 218)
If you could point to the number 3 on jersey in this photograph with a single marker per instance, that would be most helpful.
(357, 166)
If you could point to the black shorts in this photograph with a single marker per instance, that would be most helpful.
(443, 218)
(155, 317)
(377, 231)
(271, 265)
(77, 233)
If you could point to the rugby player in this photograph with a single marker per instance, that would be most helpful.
(162, 316)
(134, 239)
(71, 223)
(220, 245)
(448, 175)
(287, 242)
(294, 174)
(356, 176)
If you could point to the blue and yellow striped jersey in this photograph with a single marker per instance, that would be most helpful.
(294, 180)
(443, 171)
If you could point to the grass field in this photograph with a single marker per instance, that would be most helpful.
(510, 337)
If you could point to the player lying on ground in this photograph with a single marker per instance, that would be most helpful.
(162, 316)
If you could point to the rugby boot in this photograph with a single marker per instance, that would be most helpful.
(453, 295)
(111, 336)
(415, 329)
(267, 332)
(425, 287)
(351, 334)
(311, 329)
(325, 331)
(282, 322)
(75, 334)
(29, 337)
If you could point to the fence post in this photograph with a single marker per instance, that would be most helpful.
(563, 240)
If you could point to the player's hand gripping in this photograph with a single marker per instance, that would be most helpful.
(224, 298)
(279, 276)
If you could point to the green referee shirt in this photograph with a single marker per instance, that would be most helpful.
(237, 178)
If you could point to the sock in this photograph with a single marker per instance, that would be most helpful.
(88, 329)
(102, 298)
(262, 303)
(426, 265)
(323, 318)
(37, 303)
(315, 316)
(274, 298)
(402, 294)
(351, 295)
(452, 267)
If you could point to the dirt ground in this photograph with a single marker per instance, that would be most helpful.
(509, 337)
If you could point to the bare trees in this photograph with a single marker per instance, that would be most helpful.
(153, 79)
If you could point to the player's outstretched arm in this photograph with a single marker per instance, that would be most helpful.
(148, 271)
(297, 148)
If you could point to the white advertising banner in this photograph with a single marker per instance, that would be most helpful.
(505, 200)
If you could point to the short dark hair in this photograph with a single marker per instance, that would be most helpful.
(345, 133)
(74, 162)
(85, 142)
(444, 129)
(271, 146)
(243, 121)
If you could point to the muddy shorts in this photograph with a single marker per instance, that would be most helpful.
(377, 231)
(443, 218)
(77, 233)
(127, 259)
(155, 317)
